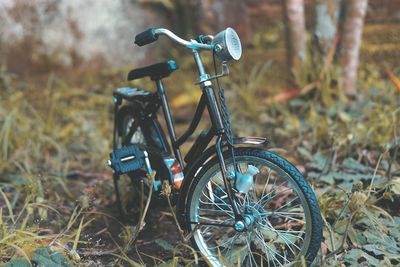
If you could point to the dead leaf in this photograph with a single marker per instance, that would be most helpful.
(394, 79)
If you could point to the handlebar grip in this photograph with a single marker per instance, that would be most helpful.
(147, 37)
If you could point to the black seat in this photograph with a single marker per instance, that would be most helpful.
(155, 71)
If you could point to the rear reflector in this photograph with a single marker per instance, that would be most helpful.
(176, 172)
(177, 175)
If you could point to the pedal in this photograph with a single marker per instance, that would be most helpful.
(128, 159)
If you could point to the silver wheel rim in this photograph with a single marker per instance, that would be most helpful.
(266, 241)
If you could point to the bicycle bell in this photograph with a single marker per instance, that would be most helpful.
(227, 45)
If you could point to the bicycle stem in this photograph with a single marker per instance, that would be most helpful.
(203, 75)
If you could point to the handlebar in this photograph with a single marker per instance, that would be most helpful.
(151, 35)
(146, 37)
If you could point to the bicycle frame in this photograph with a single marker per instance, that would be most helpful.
(208, 99)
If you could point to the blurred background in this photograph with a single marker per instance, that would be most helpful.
(319, 78)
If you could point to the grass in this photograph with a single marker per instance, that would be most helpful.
(56, 192)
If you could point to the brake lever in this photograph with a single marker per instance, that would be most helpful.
(204, 39)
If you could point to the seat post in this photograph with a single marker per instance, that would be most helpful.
(169, 121)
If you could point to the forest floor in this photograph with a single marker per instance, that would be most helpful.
(56, 191)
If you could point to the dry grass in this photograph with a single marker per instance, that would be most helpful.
(56, 192)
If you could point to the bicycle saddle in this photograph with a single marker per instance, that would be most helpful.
(155, 72)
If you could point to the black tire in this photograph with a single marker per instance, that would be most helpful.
(129, 189)
(147, 133)
(152, 133)
(312, 221)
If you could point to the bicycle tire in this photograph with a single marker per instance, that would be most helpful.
(148, 133)
(314, 221)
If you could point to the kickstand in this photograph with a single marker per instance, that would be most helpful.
(116, 179)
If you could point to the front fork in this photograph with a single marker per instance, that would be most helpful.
(229, 188)
(215, 114)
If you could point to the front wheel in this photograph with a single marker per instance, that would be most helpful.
(284, 219)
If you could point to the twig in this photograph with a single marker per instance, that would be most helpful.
(181, 233)
(140, 257)
(341, 247)
(375, 171)
(140, 225)
(341, 212)
(143, 213)
(330, 231)
(167, 193)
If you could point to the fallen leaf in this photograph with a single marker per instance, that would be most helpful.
(394, 79)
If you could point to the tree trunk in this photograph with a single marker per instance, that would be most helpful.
(187, 14)
(351, 42)
(218, 15)
(326, 24)
(295, 38)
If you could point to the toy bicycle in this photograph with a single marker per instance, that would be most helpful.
(243, 204)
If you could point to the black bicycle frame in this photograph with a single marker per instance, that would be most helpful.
(208, 99)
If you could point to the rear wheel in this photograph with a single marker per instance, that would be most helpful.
(284, 222)
(129, 187)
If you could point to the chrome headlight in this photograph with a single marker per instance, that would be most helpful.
(227, 45)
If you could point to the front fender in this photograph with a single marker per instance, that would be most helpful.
(191, 170)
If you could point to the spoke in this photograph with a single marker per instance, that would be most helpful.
(246, 199)
(267, 182)
(281, 207)
(257, 178)
(231, 244)
(265, 187)
(221, 245)
(259, 236)
(254, 190)
(212, 210)
(287, 232)
(284, 240)
(291, 233)
(211, 220)
(289, 217)
(283, 213)
(227, 212)
(223, 190)
(278, 194)
(218, 206)
(213, 202)
(240, 165)
(267, 195)
(209, 228)
(209, 187)
(251, 252)
(291, 242)
(268, 260)
(273, 252)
